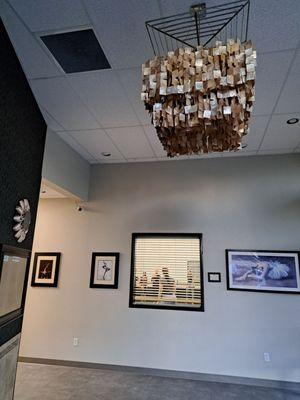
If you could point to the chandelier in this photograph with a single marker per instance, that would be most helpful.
(200, 96)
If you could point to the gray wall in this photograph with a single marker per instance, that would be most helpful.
(243, 203)
(63, 167)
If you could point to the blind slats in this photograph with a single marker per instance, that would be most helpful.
(167, 271)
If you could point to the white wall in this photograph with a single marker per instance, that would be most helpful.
(64, 168)
(248, 202)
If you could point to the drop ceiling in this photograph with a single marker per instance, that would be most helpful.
(100, 111)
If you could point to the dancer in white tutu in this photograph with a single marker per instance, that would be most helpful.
(262, 270)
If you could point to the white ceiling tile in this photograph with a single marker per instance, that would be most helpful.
(51, 123)
(52, 14)
(96, 142)
(273, 25)
(104, 95)
(271, 73)
(289, 100)
(258, 126)
(75, 145)
(131, 80)
(280, 135)
(57, 97)
(131, 141)
(34, 60)
(155, 142)
(121, 30)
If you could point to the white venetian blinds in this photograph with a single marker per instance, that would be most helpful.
(166, 271)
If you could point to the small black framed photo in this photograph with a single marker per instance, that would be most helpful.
(214, 277)
(263, 271)
(45, 269)
(105, 270)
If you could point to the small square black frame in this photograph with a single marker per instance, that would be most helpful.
(57, 265)
(103, 286)
(165, 307)
(209, 274)
(227, 251)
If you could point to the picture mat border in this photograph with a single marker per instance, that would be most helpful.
(45, 258)
(136, 235)
(247, 289)
(106, 258)
(116, 276)
(56, 273)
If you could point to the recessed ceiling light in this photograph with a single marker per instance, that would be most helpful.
(292, 121)
(105, 154)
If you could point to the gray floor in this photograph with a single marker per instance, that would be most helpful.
(41, 382)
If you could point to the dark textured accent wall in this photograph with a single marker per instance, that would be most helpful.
(22, 139)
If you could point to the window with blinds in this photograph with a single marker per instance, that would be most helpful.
(166, 271)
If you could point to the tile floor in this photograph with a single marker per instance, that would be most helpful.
(44, 382)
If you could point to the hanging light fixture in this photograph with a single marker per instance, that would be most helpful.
(201, 96)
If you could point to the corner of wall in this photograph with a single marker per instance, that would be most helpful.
(65, 168)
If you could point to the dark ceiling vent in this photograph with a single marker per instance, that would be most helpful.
(77, 51)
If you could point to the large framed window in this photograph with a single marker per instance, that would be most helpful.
(166, 271)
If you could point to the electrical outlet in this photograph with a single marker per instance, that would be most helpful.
(75, 341)
(267, 357)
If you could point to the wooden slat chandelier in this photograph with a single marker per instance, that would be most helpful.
(201, 96)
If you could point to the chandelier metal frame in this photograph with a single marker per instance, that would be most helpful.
(200, 26)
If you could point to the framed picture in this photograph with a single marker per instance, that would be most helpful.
(45, 269)
(166, 271)
(105, 270)
(263, 271)
(214, 277)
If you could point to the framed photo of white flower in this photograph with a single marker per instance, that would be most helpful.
(263, 271)
(45, 269)
(105, 270)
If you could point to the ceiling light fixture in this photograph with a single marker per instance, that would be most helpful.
(292, 121)
(105, 154)
(201, 97)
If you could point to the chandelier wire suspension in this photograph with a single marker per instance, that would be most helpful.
(200, 26)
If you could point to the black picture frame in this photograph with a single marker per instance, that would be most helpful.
(263, 253)
(46, 282)
(136, 235)
(211, 279)
(18, 252)
(115, 282)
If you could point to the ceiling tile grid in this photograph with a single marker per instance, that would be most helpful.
(101, 112)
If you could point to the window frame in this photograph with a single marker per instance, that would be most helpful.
(132, 268)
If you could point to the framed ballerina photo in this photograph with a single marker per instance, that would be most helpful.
(263, 271)
(104, 270)
(45, 269)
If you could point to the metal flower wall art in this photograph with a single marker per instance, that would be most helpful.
(23, 219)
